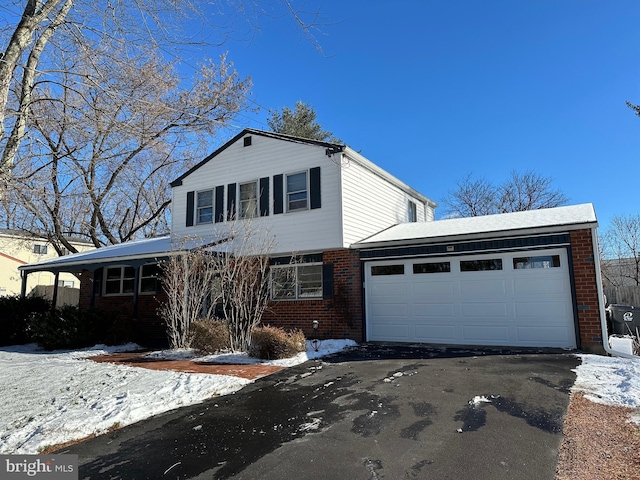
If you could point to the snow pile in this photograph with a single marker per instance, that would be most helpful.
(609, 380)
(49, 398)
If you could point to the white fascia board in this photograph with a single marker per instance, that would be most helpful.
(534, 222)
(529, 232)
(375, 169)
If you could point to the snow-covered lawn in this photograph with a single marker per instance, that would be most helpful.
(48, 398)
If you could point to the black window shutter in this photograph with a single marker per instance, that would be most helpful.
(314, 187)
(264, 197)
(219, 211)
(278, 194)
(190, 206)
(231, 201)
(327, 280)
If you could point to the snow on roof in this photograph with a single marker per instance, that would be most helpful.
(538, 220)
(147, 247)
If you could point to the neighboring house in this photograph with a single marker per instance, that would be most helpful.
(20, 248)
(370, 261)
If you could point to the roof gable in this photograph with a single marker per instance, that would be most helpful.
(331, 147)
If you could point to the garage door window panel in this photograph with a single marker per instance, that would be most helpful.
(432, 267)
(481, 265)
(540, 261)
(387, 270)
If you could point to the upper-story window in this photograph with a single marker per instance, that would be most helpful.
(412, 211)
(297, 191)
(40, 249)
(248, 200)
(204, 211)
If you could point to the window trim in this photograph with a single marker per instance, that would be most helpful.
(287, 193)
(297, 296)
(198, 208)
(256, 199)
(412, 211)
(122, 278)
(42, 249)
(142, 277)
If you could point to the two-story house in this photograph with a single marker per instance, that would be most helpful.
(370, 261)
(20, 248)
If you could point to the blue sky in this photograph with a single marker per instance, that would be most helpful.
(433, 90)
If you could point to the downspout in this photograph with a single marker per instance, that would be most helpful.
(603, 318)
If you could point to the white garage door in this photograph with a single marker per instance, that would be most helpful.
(510, 299)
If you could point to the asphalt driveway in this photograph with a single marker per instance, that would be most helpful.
(374, 412)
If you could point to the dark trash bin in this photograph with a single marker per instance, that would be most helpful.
(623, 319)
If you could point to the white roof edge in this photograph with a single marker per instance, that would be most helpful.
(126, 251)
(552, 220)
(375, 169)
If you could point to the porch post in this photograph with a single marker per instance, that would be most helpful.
(135, 291)
(54, 301)
(23, 287)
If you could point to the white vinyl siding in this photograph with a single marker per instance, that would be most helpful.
(371, 204)
(299, 231)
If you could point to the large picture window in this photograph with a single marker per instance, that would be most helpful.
(248, 200)
(295, 282)
(297, 192)
(204, 207)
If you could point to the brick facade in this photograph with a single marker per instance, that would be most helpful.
(148, 328)
(338, 317)
(342, 315)
(586, 290)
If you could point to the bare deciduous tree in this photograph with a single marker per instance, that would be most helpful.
(188, 278)
(230, 272)
(620, 249)
(521, 192)
(103, 151)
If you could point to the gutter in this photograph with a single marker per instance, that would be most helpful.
(603, 318)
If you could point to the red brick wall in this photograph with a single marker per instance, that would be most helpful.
(338, 317)
(584, 274)
(149, 329)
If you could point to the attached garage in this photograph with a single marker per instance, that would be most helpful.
(521, 299)
(504, 280)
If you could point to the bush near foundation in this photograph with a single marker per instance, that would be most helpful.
(70, 327)
(16, 317)
(210, 335)
(271, 343)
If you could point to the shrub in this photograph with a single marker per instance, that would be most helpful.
(17, 317)
(70, 327)
(271, 343)
(210, 335)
